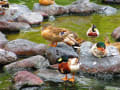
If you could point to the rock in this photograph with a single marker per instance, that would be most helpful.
(107, 10)
(92, 64)
(116, 34)
(3, 40)
(13, 26)
(51, 75)
(32, 18)
(53, 9)
(112, 88)
(24, 47)
(54, 53)
(85, 7)
(40, 49)
(32, 63)
(7, 57)
(111, 1)
(26, 79)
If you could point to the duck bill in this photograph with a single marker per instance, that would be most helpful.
(101, 49)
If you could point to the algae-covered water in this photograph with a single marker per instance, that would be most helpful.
(78, 24)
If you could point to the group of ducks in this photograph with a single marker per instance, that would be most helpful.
(70, 64)
(3, 6)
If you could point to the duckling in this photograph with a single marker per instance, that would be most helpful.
(55, 35)
(67, 65)
(99, 49)
(46, 2)
(93, 32)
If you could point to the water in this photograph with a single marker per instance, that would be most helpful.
(78, 24)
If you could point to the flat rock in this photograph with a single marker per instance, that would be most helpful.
(116, 34)
(3, 40)
(7, 57)
(31, 64)
(53, 53)
(24, 47)
(92, 64)
(26, 79)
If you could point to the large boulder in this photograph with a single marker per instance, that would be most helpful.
(116, 34)
(7, 57)
(24, 47)
(26, 79)
(53, 53)
(53, 9)
(6, 26)
(30, 64)
(3, 40)
(92, 64)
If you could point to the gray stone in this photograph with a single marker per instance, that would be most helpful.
(13, 26)
(7, 57)
(32, 18)
(24, 47)
(54, 53)
(3, 40)
(32, 63)
(53, 9)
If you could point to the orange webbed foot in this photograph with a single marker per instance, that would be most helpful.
(72, 80)
(53, 44)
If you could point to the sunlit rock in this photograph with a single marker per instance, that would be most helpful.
(30, 64)
(92, 64)
(24, 79)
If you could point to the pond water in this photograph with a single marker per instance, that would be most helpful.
(78, 24)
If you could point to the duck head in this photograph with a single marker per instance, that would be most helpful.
(101, 46)
(94, 28)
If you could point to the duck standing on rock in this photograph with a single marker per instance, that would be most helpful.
(3, 5)
(46, 2)
(55, 34)
(99, 49)
(68, 64)
(93, 32)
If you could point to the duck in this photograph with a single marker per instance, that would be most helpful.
(99, 50)
(46, 2)
(68, 64)
(55, 34)
(93, 32)
(115, 44)
(3, 5)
